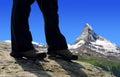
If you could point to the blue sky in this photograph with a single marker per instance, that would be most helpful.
(102, 15)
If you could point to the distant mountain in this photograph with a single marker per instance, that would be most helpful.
(91, 42)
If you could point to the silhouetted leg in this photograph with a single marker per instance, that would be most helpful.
(20, 35)
(54, 38)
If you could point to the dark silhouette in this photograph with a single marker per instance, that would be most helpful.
(21, 36)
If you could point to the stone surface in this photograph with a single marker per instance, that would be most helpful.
(51, 67)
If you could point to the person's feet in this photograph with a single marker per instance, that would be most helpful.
(65, 54)
(31, 54)
(34, 54)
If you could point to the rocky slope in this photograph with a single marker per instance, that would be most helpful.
(51, 67)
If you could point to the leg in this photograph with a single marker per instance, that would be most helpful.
(54, 38)
(56, 41)
(20, 35)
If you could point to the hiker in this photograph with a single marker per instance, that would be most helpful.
(21, 38)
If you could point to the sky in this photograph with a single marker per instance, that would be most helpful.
(102, 15)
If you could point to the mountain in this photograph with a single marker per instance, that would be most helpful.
(91, 42)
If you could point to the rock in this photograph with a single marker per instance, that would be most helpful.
(51, 67)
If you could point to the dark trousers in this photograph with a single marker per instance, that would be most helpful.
(21, 37)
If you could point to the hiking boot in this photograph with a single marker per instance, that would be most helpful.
(65, 54)
(31, 54)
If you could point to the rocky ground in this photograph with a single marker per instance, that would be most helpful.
(51, 67)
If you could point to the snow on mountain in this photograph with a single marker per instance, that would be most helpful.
(8, 41)
(89, 40)
(87, 34)
(106, 45)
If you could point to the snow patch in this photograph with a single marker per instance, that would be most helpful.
(108, 46)
(8, 41)
(78, 44)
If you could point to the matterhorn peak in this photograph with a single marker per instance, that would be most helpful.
(87, 26)
(87, 34)
(89, 41)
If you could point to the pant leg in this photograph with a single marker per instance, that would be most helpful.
(20, 35)
(54, 38)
